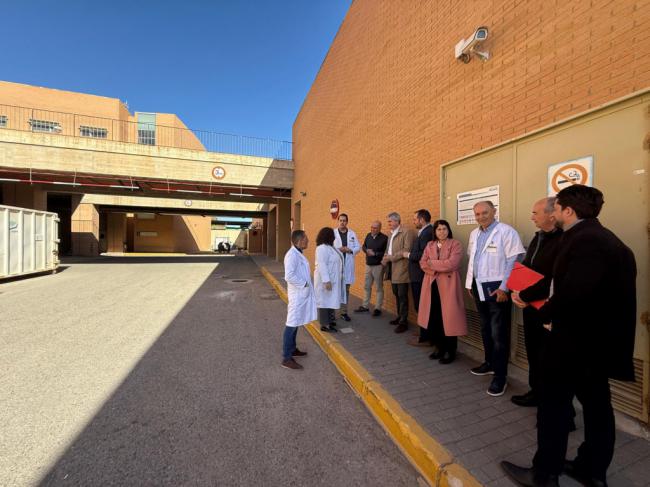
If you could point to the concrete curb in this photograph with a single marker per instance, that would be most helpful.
(429, 457)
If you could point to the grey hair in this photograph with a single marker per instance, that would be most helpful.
(394, 216)
(486, 202)
(550, 204)
(297, 236)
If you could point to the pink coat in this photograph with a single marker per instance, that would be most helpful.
(444, 268)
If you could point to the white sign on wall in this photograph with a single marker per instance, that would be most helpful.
(465, 203)
(564, 174)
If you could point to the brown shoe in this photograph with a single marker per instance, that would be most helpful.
(291, 364)
(415, 342)
(401, 328)
(298, 353)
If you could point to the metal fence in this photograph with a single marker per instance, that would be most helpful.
(138, 132)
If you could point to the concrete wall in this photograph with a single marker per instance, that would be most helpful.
(17, 94)
(236, 237)
(171, 233)
(39, 151)
(24, 196)
(390, 103)
(72, 110)
(85, 228)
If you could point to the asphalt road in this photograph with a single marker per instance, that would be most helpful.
(162, 371)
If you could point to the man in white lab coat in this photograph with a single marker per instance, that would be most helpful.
(493, 249)
(301, 307)
(346, 241)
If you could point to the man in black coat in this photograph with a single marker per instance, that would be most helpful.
(591, 318)
(422, 222)
(540, 257)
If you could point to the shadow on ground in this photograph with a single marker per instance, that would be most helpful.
(208, 404)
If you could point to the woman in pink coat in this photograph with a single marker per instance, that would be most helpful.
(442, 310)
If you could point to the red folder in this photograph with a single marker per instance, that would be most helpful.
(522, 277)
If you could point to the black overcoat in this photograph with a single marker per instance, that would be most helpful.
(593, 305)
(416, 274)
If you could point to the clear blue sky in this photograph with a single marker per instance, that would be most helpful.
(234, 66)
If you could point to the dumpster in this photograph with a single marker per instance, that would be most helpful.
(29, 241)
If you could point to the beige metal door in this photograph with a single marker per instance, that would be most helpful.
(469, 175)
(615, 138)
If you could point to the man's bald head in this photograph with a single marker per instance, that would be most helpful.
(542, 214)
(375, 227)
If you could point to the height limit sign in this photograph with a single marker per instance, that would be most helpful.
(564, 174)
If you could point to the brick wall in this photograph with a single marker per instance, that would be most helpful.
(391, 103)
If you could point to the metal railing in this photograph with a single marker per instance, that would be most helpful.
(100, 128)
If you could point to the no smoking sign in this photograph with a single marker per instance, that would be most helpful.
(564, 174)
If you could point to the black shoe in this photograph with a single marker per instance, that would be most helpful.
(529, 477)
(325, 329)
(483, 369)
(436, 354)
(291, 364)
(528, 400)
(345, 317)
(573, 470)
(298, 353)
(401, 328)
(498, 386)
(447, 358)
(376, 312)
(394, 322)
(333, 328)
(361, 309)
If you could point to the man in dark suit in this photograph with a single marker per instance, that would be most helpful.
(540, 257)
(591, 319)
(422, 222)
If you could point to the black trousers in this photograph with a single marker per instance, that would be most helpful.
(401, 293)
(534, 334)
(436, 330)
(554, 415)
(326, 316)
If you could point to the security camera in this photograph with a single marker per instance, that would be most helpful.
(466, 47)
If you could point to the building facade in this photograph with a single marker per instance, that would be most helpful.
(395, 122)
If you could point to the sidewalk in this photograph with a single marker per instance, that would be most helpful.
(452, 406)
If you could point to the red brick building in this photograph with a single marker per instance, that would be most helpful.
(394, 122)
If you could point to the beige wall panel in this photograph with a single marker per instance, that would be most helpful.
(191, 233)
(621, 169)
(163, 225)
(178, 203)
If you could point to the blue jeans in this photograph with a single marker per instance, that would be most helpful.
(495, 331)
(289, 341)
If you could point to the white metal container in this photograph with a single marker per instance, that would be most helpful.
(29, 241)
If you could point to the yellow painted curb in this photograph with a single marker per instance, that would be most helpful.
(428, 456)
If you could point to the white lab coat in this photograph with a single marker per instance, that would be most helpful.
(354, 246)
(329, 268)
(301, 308)
(502, 244)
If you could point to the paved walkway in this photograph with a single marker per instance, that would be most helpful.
(452, 405)
(166, 371)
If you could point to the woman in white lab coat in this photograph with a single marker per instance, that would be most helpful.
(328, 279)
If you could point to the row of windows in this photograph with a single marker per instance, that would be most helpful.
(146, 136)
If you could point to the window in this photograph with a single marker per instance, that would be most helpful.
(45, 126)
(147, 128)
(3, 120)
(95, 132)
